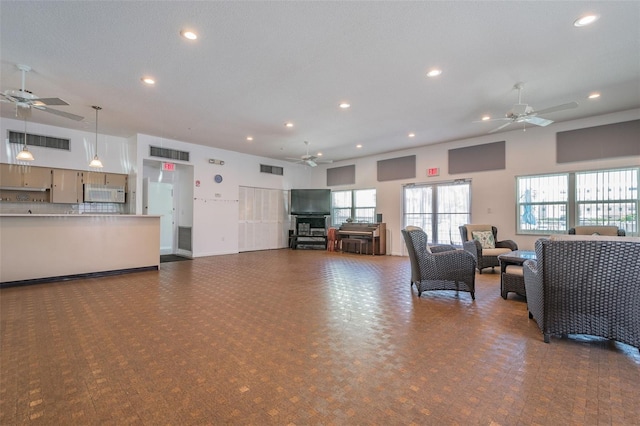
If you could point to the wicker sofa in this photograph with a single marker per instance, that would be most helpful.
(586, 285)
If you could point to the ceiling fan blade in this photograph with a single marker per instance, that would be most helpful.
(492, 119)
(538, 121)
(501, 127)
(60, 113)
(7, 98)
(48, 101)
(556, 108)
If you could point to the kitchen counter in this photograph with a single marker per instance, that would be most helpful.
(49, 246)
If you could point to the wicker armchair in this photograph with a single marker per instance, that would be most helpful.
(441, 267)
(415, 268)
(586, 287)
(485, 257)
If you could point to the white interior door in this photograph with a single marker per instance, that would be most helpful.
(160, 202)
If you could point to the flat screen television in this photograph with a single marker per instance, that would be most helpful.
(310, 201)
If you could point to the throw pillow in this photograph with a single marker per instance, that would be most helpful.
(485, 238)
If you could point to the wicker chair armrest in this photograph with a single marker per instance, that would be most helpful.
(441, 248)
(535, 291)
(473, 247)
(458, 259)
(510, 244)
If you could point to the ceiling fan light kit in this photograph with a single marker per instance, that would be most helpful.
(525, 114)
(23, 98)
(308, 159)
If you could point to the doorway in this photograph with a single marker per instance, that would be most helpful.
(159, 201)
(169, 194)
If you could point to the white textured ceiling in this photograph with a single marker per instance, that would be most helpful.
(257, 65)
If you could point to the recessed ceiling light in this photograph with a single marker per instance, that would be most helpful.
(345, 105)
(188, 34)
(319, 154)
(359, 146)
(412, 135)
(585, 20)
(288, 124)
(249, 138)
(486, 117)
(148, 80)
(434, 72)
(594, 95)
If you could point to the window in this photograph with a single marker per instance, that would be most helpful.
(608, 197)
(554, 203)
(542, 204)
(358, 205)
(438, 209)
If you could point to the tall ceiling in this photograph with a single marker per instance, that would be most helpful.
(257, 65)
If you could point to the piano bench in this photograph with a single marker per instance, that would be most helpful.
(357, 243)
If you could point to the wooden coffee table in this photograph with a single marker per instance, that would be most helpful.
(511, 274)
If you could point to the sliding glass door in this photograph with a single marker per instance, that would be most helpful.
(439, 209)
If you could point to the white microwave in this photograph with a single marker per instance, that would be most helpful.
(103, 194)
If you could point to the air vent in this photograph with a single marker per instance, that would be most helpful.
(184, 238)
(40, 140)
(172, 154)
(274, 170)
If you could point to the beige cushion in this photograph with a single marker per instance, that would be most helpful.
(495, 251)
(471, 228)
(412, 228)
(598, 230)
(514, 270)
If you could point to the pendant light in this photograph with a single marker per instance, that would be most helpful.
(96, 161)
(25, 155)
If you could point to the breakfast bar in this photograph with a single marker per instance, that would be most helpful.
(50, 246)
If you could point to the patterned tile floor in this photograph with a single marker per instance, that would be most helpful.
(297, 337)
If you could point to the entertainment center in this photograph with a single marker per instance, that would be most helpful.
(311, 209)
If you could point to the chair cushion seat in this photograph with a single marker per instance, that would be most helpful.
(495, 251)
(514, 270)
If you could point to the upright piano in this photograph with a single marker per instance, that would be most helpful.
(375, 235)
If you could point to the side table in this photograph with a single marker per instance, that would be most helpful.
(511, 276)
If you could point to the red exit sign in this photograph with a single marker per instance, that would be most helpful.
(168, 167)
(434, 171)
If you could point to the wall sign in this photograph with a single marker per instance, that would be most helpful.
(168, 167)
(433, 171)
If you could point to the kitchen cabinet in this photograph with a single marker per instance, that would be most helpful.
(100, 178)
(37, 177)
(18, 176)
(11, 175)
(66, 187)
(114, 179)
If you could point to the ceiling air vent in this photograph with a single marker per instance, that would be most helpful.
(40, 140)
(274, 170)
(172, 154)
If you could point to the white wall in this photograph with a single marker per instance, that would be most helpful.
(215, 206)
(115, 152)
(492, 192)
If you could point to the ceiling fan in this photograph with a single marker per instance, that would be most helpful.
(24, 100)
(308, 159)
(523, 113)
